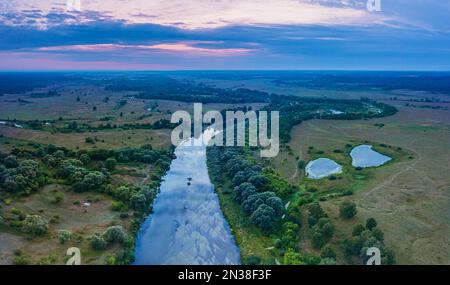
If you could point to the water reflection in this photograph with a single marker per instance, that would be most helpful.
(322, 167)
(187, 226)
(364, 156)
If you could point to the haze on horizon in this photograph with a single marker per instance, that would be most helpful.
(224, 34)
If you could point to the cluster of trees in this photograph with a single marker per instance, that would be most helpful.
(20, 176)
(113, 234)
(363, 238)
(322, 229)
(251, 189)
(294, 110)
(167, 88)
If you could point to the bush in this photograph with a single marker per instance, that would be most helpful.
(35, 225)
(317, 240)
(357, 230)
(118, 206)
(97, 242)
(264, 217)
(371, 223)
(58, 198)
(115, 234)
(328, 252)
(21, 259)
(292, 257)
(110, 164)
(64, 236)
(11, 161)
(347, 210)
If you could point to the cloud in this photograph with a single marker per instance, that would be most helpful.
(229, 34)
(180, 47)
(207, 14)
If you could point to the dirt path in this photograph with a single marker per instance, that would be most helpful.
(392, 178)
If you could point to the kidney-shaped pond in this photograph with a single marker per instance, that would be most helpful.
(322, 167)
(364, 156)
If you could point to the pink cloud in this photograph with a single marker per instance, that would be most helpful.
(32, 61)
(181, 47)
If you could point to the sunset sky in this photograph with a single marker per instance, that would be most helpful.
(224, 34)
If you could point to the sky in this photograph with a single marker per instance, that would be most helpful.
(224, 35)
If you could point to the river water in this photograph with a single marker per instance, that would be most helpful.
(187, 226)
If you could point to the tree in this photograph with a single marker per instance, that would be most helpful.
(317, 240)
(89, 140)
(92, 181)
(371, 223)
(138, 201)
(292, 257)
(289, 236)
(239, 178)
(263, 216)
(85, 159)
(378, 234)
(347, 210)
(277, 204)
(97, 242)
(64, 236)
(357, 230)
(11, 161)
(35, 225)
(328, 231)
(259, 181)
(243, 191)
(301, 164)
(328, 252)
(255, 200)
(315, 213)
(110, 164)
(115, 234)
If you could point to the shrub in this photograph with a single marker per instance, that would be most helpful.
(115, 234)
(64, 236)
(118, 206)
(58, 198)
(110, 164)
(292, 257)
(35, 225)
(357, 230)
(347, 210)
(371, 223)
(97, 242)
(328, 252)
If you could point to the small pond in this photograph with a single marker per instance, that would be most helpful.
(364, 156)
(322, 167)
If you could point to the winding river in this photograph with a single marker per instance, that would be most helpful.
(187, 226)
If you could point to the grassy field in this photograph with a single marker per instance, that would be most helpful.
(78, 219)
(411, 198)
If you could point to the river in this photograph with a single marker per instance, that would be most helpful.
(187, 226)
